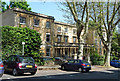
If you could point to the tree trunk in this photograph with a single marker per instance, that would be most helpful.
(80, 49)
(108, 51)
(107, 60)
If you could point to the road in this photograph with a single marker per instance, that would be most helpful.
(59, 74)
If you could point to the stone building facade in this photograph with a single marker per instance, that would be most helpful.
(58, 39)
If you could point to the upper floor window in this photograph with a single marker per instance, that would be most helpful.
(66, 30)
(74, 39)
(74, 31)
(59, 38)
(47, 24)
(66, 39)
(59, 29)
(36, 22)
(95, 41)
(47, 51)
(48, 37)
(22, 20)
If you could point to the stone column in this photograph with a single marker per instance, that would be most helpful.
(56, 53)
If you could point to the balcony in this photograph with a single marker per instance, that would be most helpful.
(63, 44)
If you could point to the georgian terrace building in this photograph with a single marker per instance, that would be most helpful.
(58, 39)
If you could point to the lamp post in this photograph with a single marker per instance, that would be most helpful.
(23, 43)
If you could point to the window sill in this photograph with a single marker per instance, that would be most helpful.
(48, 27)
(23, 23)
(36, 25)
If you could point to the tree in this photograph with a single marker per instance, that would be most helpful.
(2, 6)
(105, 15)
(12, 38)
(22, 4)
(75, 9)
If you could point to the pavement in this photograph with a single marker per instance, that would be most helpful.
(93, 68)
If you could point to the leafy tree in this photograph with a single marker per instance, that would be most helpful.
(105, 15)
(22, 4)
(2, 6)
(12, 38)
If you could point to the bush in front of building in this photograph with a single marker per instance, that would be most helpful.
(97, 59)
(45, 61)
(12, 38)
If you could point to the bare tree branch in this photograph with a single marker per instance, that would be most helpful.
(84, 10)
(114, 12)
(92, 18)
(94, 11)
(74, 8)
(107, 12)
(72, 11)
(87, 21)
(117, 22)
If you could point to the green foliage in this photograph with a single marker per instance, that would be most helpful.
(114, 58)
(12, 38)
(22, 4)
(2, 6)
(97, 59)
(116, 44)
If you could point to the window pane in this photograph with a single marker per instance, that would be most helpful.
(47, 51)
(36, 22)
(71, 61)
(66, 39)
(66, 29)
(22, 20)
(59, 29)
(47, 37)
(59, 38)
(74, 31)
(74, 39)
(47, 24)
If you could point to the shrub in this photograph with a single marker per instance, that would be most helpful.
(97, 59)
(12, 38)
(114, 58)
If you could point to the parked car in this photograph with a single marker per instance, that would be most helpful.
(1, 68)
(79, 65)
(59, 60)
(20, 64)
(115, 63)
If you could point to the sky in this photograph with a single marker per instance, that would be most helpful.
(48, 8)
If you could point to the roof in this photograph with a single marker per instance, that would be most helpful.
(32, 13)
(66, 24)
